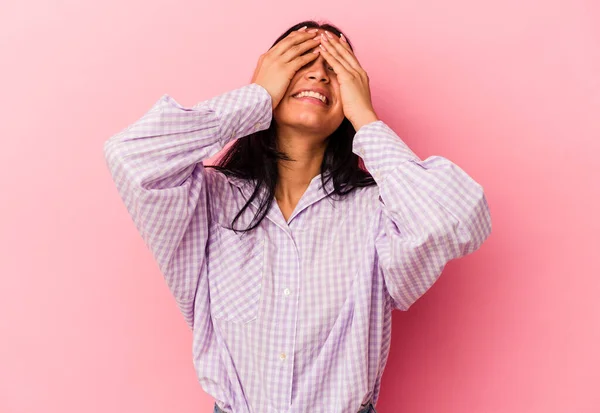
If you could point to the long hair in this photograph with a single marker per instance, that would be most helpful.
(254, 157)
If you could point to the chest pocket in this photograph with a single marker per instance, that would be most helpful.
(235, 274)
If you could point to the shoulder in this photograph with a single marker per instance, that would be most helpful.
(358, 207)
(365, 198)
(226, 195)
(216, 181)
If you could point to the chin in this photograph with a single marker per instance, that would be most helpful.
(310, 118)
(312, 123)
(303, 118)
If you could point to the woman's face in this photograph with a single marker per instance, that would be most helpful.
(309, 113)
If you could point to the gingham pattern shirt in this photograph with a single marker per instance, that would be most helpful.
(293, 316)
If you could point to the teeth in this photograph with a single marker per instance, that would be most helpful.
(312, 94)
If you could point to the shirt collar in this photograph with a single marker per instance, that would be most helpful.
(314, 193)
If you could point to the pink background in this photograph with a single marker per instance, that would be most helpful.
(507, 89)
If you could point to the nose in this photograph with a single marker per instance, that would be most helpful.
(318, 70)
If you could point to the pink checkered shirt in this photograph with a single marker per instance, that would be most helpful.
(293, 316)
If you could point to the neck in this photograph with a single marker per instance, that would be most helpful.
(306, 153)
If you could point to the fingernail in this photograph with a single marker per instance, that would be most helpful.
(329, 34)
(302, 28)
(324, 37)
(343, 37)
(312, 30)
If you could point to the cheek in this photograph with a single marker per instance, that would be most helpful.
(285, 112)
(292, 84)
(338, 109)
(339, 115)
(336, 90)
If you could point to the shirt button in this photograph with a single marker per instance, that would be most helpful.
(287, 291)
(282, 356)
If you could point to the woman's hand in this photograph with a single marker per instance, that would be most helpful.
(277, 67)
(354, 82)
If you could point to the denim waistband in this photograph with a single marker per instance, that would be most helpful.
(368, 408)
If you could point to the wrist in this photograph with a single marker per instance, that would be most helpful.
(364, 119)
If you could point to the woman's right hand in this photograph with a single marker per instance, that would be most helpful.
(277, 66)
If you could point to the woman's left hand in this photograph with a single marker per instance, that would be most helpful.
(353, 80)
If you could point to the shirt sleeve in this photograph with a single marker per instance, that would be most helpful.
(156, 165)
(429, 212)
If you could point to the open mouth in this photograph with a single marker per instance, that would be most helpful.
(312, 97)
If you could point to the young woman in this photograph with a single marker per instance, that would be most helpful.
(287, 258)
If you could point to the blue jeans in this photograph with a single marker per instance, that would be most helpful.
(369, 408)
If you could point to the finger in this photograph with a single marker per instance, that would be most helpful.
(302, 60)
(338, 67)
(293, 39)
(347, 58)
(299, 49)
(345, 43)
(326, 47)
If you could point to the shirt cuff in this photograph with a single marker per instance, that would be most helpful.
(381, 148)
(242, 111)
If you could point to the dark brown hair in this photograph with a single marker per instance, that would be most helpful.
(254, 157)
